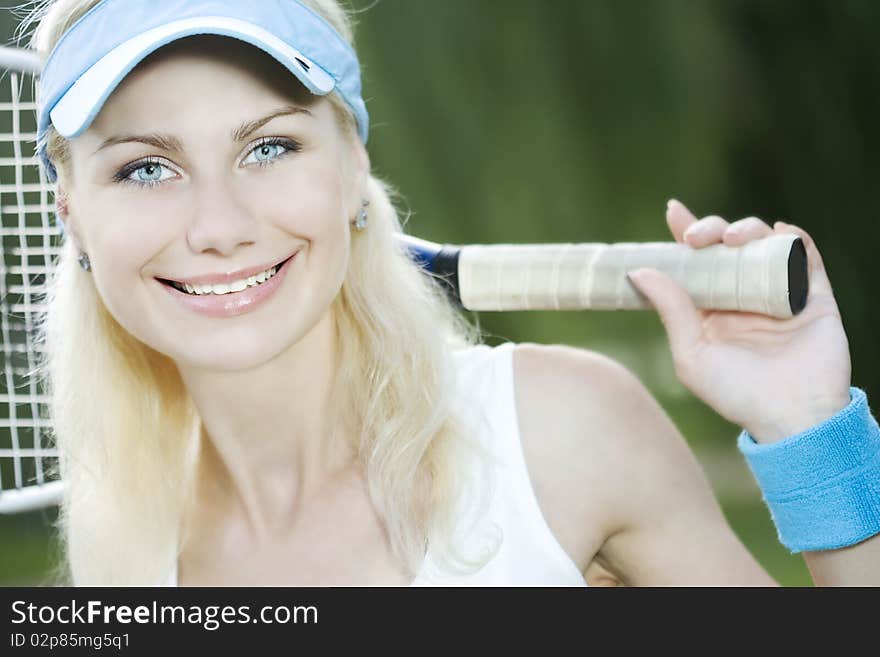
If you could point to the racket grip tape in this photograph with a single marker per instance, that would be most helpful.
(766, 276)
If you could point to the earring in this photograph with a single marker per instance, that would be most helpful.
(84, 261)
(360, 221)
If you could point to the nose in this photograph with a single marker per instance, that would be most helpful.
(220, 222)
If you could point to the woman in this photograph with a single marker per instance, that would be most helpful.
(252, 384)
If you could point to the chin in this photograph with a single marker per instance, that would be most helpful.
(233, 355)
(232, 360)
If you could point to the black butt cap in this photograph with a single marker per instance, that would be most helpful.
(798, 279)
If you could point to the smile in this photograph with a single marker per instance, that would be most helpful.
(228, 288)
(232, 298)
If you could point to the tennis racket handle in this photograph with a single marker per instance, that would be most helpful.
(766, 276)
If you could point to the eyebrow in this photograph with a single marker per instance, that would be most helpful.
(171, 143)
(247, 128)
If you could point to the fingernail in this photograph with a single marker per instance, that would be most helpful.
(670, 203)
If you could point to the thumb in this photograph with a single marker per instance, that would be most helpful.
(680, 317)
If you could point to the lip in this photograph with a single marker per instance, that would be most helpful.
(234, 303)
(213, 279)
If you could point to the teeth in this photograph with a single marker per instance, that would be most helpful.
(226, 288)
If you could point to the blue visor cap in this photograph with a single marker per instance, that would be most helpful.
(103, 46)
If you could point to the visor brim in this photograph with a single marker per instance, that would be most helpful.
(80, 104)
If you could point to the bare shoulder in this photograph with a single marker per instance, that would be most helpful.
(614, 477)
(566, 405)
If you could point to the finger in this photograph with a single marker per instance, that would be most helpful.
(814, 259)
(746, 230)
(820, 286)
(679, 219)
(708, 230)
(680, 317)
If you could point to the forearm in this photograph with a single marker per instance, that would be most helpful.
(856, 565)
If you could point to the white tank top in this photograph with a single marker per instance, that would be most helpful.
(529, 554)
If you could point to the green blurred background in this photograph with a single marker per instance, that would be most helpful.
(576, 120)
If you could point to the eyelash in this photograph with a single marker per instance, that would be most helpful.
(122, 176)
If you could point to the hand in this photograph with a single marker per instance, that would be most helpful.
(773, 377)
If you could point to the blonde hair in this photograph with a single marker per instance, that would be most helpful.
(128, 433)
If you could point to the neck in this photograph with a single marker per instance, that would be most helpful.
(274, 435)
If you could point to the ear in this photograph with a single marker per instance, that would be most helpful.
(362, 158)
(360, 172)
(65, 215)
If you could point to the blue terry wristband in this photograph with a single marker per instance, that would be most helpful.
(822, 485)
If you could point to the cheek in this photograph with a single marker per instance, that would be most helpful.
(123, 239)
(304, 203)
(301, 187)
(304, 199)
(132, 226)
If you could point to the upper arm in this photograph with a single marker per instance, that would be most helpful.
(616, 479)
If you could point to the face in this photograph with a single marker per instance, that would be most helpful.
(212, 169)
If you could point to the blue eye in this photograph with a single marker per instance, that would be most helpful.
(150, 172)
(145, 174)
(266, 152)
